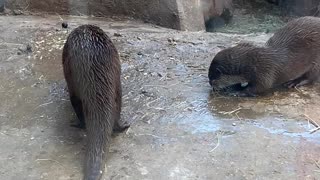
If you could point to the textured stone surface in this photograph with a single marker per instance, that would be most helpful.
(217, 13)
(214, 8)
(191, 15)
(300, 7)
(176, 14)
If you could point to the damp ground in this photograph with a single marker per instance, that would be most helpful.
(180, 128)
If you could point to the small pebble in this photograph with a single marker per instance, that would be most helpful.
(117, 34)
(170, 40)
(267, 31)
(64, 25)
(17, 12)
(234, 124)
(29, 48)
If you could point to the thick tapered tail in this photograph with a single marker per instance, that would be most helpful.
(99, 134)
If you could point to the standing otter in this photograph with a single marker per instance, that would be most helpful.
(291, 57)
(92, 71)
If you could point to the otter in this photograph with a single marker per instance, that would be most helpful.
(290, 58)
(92, 71)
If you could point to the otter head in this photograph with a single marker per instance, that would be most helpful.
(226, 68)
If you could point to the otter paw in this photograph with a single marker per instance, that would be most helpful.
(302, 83)
(290, 84)
(297, 83)
(120, 128)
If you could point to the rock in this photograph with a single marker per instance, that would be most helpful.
(64, 25)
(17, 12)
(117, 35)
(217, 13)
(26, 50)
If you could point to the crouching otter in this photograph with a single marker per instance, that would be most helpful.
(290, 58)
(92, 71)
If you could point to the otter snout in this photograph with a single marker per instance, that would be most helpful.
(215, 85)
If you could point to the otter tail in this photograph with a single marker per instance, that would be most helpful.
(99, 135)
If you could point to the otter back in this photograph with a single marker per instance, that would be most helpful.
(92, 71)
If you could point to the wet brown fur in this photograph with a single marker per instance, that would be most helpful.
(291, 57)
(92, 71)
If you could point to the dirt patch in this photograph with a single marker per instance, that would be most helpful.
(180, 129)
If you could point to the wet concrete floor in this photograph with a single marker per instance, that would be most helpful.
(180, 129)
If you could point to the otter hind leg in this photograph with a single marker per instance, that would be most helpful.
(297, 83)
(77, 106)
(307, 78)
(120, 127)
(119, 124)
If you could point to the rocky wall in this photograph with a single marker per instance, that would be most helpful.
(176, 14)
